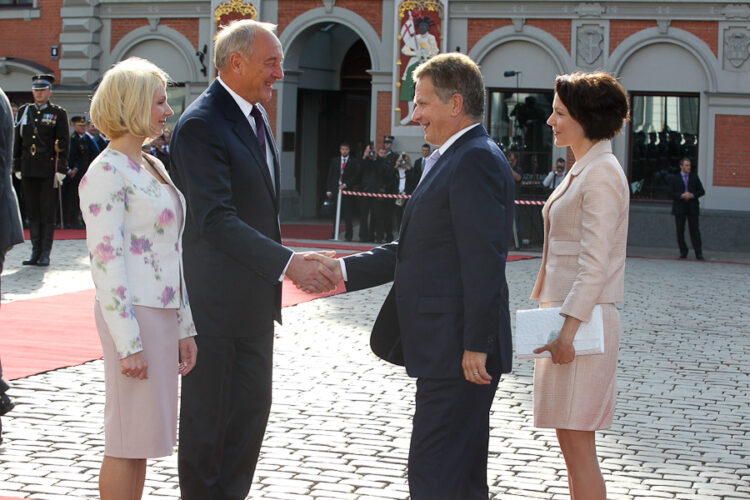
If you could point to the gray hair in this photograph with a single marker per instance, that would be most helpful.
(455, 73)
(237, 36)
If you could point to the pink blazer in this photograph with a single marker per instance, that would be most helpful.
(585, 236)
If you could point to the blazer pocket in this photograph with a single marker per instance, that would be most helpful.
(565, 247)
(439, 305)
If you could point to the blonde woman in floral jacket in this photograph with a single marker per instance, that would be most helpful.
(134, 221)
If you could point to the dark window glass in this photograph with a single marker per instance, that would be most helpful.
(664, 130)
(13, 3)
(518, 124)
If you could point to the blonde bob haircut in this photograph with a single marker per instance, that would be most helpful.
(122, 102)
(237, 36)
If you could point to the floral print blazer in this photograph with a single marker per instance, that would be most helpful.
(134, 245)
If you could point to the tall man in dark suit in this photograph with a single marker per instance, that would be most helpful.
(342, 173)
(685, 188)
(446, 317)
(10, 218)
(224, 159)
(420, 162)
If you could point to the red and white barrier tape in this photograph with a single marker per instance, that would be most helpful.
(376, 195)
(406, 196)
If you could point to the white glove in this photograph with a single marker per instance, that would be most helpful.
(18, 174)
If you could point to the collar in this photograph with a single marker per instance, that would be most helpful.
(454, 138)
(345, 159)
(599, 148)
(245, 106)
(41, 107)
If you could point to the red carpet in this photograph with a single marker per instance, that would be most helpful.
(62, 234)
(48, 333)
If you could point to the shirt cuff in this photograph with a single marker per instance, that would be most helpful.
(343, 270)
(283, 273)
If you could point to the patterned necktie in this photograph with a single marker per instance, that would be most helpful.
(431, 161)
(260, 129)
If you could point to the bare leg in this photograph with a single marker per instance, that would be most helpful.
(584, 476)
(122, 478)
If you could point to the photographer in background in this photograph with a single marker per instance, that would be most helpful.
(407, 178)
(556, 176)
(369, 179)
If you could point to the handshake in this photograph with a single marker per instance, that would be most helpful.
(315, 272)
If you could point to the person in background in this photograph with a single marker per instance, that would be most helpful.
(583, 264)
(555, 177)
(93, 133)
(82, 153)
(419, 162)
(517, 172)
(342, 173)
(40, 153)
(406, 180)
(134, 221)
(368, 180)
(685, 188)
(11, 232)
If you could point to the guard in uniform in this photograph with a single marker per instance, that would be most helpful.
(40, 151)
(83, 150)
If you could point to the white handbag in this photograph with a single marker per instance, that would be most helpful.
(538, 327)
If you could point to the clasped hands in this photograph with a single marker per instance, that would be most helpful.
(315, 272)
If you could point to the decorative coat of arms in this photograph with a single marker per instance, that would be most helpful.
(736, 46)
(589, 40)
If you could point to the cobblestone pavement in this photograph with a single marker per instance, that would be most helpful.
(340, 421)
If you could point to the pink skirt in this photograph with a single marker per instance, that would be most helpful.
(580, 395)
(140, 416)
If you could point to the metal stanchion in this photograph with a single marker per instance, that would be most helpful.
(338, 217)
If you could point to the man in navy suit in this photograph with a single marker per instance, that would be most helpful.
(446, 317)
(224, 159)
(685, 188)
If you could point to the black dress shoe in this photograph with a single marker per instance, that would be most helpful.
(683, 256)
(5, 404)
(43, 261)
(699, 256)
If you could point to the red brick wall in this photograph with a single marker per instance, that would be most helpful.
(559, 28)
(478, 28)
(370, 10)
(708, 31)
(31, 40)
(620, 30)
(271, 107)
(731, 151)
(383, 125)
(187, 26)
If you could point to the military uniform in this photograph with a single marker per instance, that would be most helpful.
(40, 149)
(83, 150)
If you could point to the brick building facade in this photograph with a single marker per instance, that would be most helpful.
(686, 65)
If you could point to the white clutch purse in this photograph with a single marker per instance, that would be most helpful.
(538, 327)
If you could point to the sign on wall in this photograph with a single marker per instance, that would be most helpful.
(421, 36)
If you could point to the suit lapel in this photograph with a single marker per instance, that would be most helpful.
(241, 128)
(434, 172)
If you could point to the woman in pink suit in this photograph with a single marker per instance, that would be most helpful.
(583, 264)
(134, 221)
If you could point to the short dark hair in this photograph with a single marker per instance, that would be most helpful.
(561, 159)
(595, 100)
(345, 144)
(425, 145)
(455, 73)
(684, 159)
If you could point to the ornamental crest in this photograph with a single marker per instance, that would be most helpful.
(736, 44)
(232, 10)
(589, 39)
